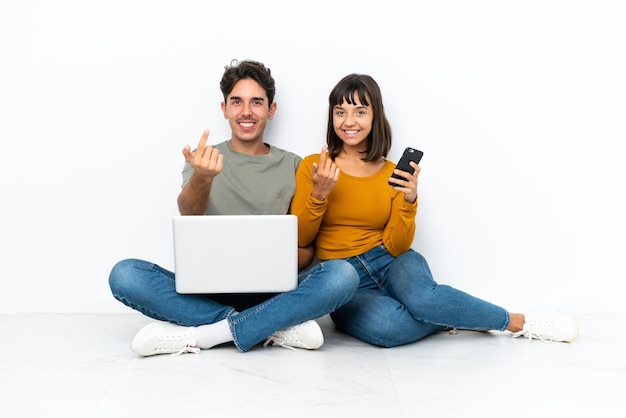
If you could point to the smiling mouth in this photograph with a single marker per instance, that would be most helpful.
(246, 124)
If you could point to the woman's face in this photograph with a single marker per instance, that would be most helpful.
(353, 123)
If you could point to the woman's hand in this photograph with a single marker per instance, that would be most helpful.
(325, 176)
(408, 186)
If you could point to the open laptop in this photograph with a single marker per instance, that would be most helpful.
(235, 253)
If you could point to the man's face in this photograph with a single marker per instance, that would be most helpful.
(247, 111)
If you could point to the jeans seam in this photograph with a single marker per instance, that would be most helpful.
(366, 267)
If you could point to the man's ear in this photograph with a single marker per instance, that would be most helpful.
(273, 107)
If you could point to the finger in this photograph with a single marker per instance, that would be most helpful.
(210, 156)
(396, 183)
(337, 171)
(202, 143)
(403, 182)
(323, 154)
(220, 163)
(187, 153)
(315, 165)
(329, 171)
(404, 174)
(203, 139)
(329, 168)
(415, 167)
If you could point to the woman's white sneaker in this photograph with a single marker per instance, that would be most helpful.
(305, 335)
(549, 326)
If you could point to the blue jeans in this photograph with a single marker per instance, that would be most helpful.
(151, 290)
(399, 302)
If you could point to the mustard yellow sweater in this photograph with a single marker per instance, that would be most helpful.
(359, 214)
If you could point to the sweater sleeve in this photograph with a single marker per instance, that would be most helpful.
(400, 229)
(310, 211)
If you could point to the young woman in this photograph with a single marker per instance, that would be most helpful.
(346, 206)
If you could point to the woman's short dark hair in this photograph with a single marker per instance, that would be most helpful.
(240, 70)
(365, 88)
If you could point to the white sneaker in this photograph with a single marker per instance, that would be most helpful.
(305, 335)
(164, 338)
(549, 326)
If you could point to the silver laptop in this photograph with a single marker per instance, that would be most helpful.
(236, 253)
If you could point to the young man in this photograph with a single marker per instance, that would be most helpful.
(226, 179)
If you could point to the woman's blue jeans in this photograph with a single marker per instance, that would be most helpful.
(399, 302)
(151, 290)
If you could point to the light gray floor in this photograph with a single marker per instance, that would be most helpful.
(81, 366)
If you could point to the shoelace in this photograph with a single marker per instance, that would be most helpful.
(187, 349)
(173, 344)
(528, 333)
(275, 341)
(289, 335)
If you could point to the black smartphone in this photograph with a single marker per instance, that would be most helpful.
(409, 154)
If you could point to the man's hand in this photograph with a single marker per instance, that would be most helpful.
(206, 161)
(325, 176)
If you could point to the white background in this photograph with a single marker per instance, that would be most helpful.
(519, 108)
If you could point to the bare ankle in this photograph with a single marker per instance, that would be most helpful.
(516, 322)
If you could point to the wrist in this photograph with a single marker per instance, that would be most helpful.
(317, 200)
(201, 180)
(319, 197)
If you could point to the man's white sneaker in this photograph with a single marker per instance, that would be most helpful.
(305, 335)
(549, 326)
(164, 338)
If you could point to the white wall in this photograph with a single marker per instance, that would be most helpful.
(518, 106)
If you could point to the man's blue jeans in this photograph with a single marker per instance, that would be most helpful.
(151, 290)
(399, 302)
